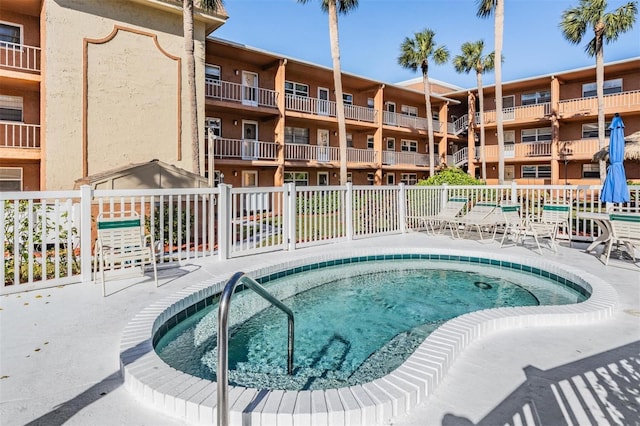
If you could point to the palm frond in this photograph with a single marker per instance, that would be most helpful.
(485, 8)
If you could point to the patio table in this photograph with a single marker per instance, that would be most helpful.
(603, 222)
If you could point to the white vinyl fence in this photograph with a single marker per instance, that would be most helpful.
(48, 237)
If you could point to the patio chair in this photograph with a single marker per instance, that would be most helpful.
(518, 228)
(481, 216)
(625, 229)
(558, 215)
(445, 216)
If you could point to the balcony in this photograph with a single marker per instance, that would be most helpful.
(395, 158)
(326, 108)
(411, 122)
(20, 57)
(580, 149)
(245, 95)
(320, 154)
(525, 113)
(362, 156)
(615, 102)
(244, 149)
(20, 136)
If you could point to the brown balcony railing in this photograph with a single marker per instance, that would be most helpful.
(19, 56)
(245, 149)
(589, 106)
(519, 113)
(19, 135)
(405, 158)
(246, 95)
(322, 154)
(578, 149)
(322, 107)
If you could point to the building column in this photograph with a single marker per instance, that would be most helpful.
(278, 178)
(443, 145)
(471, 134)
(555, 131)
(378, 145)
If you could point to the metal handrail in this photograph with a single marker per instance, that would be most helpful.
(223, 337)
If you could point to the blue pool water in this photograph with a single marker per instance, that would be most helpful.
(353, 323)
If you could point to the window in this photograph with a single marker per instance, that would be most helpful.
(297, 178)
(536, 135)
(10, 179)
(610, 86)
(541, 171)
(349, 140)
(391, 144)
(536, 98)
(591, 130)
(391, 179)
(370, 142)
(509, 136)
(409, 146)
(409, 110)
(297, 89)
(347, 98)
(212, 74)
(10, 108)
(349, 177)
(371, 178)
(370, 103)
(10, 34)
(213, 124)
(217, 177)
(409, 178)
(591, 171)
(296, 135)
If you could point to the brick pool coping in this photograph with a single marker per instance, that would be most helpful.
(193, 399)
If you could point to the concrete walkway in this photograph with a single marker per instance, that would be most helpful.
(59, 352)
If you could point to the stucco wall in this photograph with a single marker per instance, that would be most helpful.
(131, 91)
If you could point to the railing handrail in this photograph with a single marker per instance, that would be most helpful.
(20, 56)
(223, 337)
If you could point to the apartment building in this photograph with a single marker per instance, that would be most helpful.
(89, 86)
(107, 89)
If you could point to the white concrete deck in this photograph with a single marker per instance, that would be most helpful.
(59, 350)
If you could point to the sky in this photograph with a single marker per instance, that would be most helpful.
(370, 36)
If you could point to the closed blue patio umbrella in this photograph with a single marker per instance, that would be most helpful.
(615, 188)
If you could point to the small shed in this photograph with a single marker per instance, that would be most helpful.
(153, 174)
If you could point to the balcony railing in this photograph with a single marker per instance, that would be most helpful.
(519, 113)
(589, 106)
(19, 56)
(355, 155)
(322, 154)
(326, 108)
(519, 150)
(402, 120)
(246, 95)
(19, 135)
(245, 149)
(405, 158)
(578, 149)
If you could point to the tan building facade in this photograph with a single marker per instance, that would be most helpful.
(91, 87)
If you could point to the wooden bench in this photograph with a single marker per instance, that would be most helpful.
(121, 243)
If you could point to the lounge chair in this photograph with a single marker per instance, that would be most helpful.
(625, 229)
(518, 228)
(445, 216)
(483, 215)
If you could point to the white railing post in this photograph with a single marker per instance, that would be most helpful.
(514, 192)
(402, 207)
(289, 215)
(348, 200)
(224, 221)
(444, 195)
(86, 195)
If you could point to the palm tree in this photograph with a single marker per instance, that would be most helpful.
(485, 9)
(416, 53)
(472, 58)
(607, 27)
(187, 23)
(333, 8)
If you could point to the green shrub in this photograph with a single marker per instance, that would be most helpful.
(451, 176)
